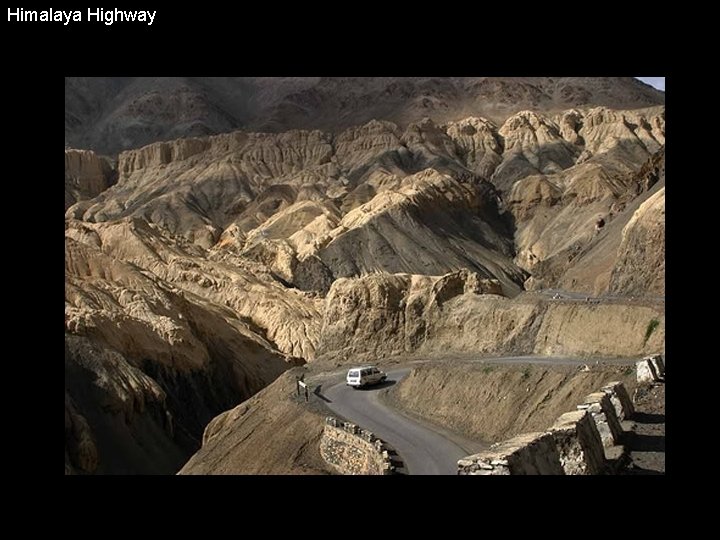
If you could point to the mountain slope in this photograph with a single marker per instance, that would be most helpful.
(147, 365)
(113, 114)
(86, 176)
(313, 206)
(200, 269)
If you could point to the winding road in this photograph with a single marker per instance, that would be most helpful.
(424, 449)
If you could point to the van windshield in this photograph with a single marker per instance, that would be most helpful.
(353, 373)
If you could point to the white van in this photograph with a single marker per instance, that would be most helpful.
(364, 376)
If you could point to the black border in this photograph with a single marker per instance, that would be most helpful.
(414, 40)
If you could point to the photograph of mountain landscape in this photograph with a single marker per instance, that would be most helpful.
(364, 275)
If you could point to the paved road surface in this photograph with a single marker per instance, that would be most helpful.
(570, 295)
(423, 449)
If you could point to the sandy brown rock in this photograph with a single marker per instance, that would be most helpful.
(576, 328)
(246, 291)
(478, 144)
(604, 129)
(325, 194)
(401, 313)
(86, 176)
(198, 187)
(531, 194)
(532, 145)
(137, 343)
(430, 224)
(110, 114)
(640, 267)
(357, 148)
(557, 215)
(587, 262)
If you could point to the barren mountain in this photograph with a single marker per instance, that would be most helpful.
(303, 202)
(113, 114)
(622, 256)
(526, 197)
(147, 365)
(199, 269)
(388, 315)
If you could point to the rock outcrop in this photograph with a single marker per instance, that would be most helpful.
(110, 114)
(532, 145)
(200, 269)
(568, 224)
(430, 224)
(587, 265)
(86, 176)
(640, 266)
(478, 144)
(286, 320)
(391, 314)
(301, 201)
(384, 314)
(146, 364)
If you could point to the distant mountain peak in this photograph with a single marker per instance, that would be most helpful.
(109, 114)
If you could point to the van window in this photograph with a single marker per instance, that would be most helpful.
(354, 373)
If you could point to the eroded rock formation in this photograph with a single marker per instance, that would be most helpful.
(86, 176)
(215, 263)
(381, 315)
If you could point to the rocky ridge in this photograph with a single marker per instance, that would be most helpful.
(296, 200)
(162, 360)
(111, 114)
(86, 175)
(385, 315)
(214, 264)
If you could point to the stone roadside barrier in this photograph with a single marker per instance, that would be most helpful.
(650, 369)
(574, 445)
(526, 454)
(352, 450)
(598, 404)
(659, 364)
(579, 444)
(620, 399)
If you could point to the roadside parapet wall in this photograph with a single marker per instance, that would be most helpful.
(650, 369)
(576, 444)
(620, 399)
(529, 453)
(599, 406)
(352, 450)
(579, 444)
